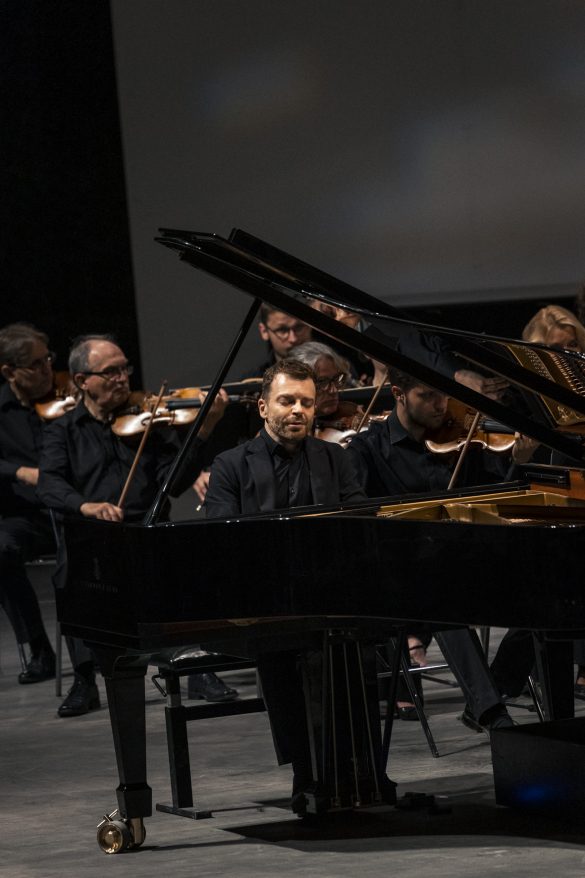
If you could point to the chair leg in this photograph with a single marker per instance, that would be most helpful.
(416, 700)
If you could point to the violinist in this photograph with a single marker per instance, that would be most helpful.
(281, 332)
(25, 527)
(332, 374)
(84, 467)
(391, 458)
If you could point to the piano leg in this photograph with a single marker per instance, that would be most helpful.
(344, 727)
(125, 689)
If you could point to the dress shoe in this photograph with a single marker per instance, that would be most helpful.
(468, 719)
(496, 717)
(39, 668)
(81, 698)
(209, 687)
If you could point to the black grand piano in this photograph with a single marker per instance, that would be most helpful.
(346, 578)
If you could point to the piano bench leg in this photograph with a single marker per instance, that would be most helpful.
(178, 746)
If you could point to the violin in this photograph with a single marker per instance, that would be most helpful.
(342, 425)
(452, 434)
(63, 397)
(142, 407)
(178, 408)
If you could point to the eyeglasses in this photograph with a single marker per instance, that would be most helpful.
(335, 383)
(113, 372)
(284, 331)
(39, 364)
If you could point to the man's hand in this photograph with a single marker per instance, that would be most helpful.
(523, 448)
(214, 414)
(201, 484)
(103, 511)
(28, 475)
(493, 387)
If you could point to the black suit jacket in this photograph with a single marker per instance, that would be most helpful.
(242, 479)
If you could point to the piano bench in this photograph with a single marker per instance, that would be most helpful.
(196, 661)
(173, 666)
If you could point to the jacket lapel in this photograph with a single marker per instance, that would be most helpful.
(260, 486)
(319, 471)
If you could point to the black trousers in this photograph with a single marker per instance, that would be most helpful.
(464, 655)
(23, 538)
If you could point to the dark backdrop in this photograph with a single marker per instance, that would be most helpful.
(65, 250)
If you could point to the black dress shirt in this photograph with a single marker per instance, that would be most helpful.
(83, 461)
(291, 474)
(21, 439)
(390, 462)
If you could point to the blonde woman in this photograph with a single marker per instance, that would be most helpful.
(557, 327)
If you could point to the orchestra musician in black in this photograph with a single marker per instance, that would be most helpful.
(25, 527)
(391, 458)
(84, 467)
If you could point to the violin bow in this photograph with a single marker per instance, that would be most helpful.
(140, 448)
(463, 451)
(372, 402)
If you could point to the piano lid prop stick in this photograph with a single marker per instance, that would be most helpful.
(463, 452)
(372, 402)
(140, 449)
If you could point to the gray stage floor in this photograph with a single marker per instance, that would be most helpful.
(58, 778)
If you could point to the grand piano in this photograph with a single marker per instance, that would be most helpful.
(346, 578)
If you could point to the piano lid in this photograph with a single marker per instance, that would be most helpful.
(556, 395)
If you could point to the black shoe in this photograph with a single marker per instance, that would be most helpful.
(468, 719)
(496, 717)
(39, 668)
(81, 698)
(209, 687)
(299, 804)
(499, 719)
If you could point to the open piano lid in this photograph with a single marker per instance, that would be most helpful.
(271, 275)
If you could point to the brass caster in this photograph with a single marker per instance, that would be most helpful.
(138, 831)
(115, 836)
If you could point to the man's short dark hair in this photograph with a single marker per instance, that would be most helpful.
(293, 368)
(405, 381)
(17, 341)
(80, 347)
(266, 310)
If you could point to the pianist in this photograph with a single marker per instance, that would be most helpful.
(391, 459)
(283, 467)
(84, 467)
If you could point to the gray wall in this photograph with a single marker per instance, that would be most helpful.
(421, 149)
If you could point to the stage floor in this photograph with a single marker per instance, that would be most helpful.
(58, 779)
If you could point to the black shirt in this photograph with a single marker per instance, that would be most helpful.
(21, 439)
(291, 474)
(83, 461)
(390, 462)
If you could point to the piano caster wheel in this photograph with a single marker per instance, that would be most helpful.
(116, 836)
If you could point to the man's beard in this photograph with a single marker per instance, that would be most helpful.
(281, 427)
